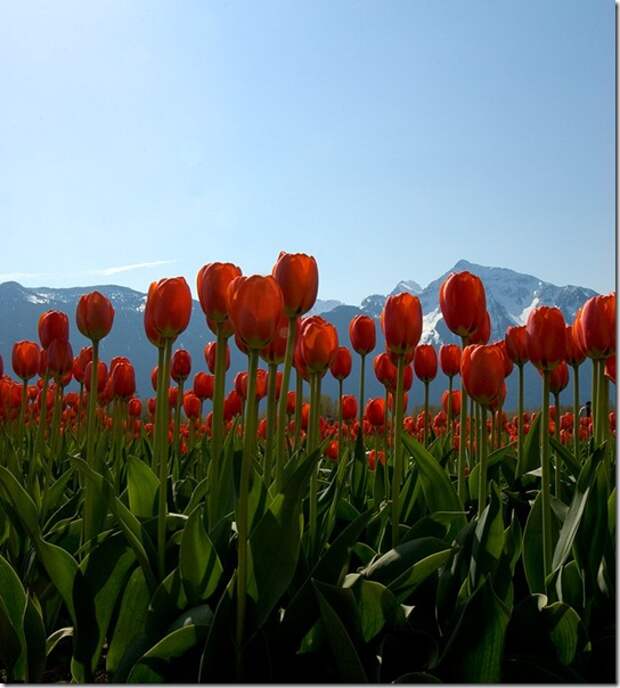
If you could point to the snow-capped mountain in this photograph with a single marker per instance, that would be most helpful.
(510, 298)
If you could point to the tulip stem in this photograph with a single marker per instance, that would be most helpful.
(38, 448)
(362, 380)
(462, 443)
(299, 392)
(89, 500)
(176, 466)
(449, 423)
(397, 474)
(558, 466)
(217, 422)
(160, 366)
(249, 447)
(313, 442)
(484, 455)
(425, 413)
(163, 377)
(281, 452)
(271, 420)
(22, 415)
(546, 477)
(520, 418)
(576, 411)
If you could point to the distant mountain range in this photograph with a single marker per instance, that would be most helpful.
(510, 297)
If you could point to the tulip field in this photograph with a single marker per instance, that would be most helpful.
(243, 529)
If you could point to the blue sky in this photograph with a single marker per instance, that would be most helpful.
(388, 139)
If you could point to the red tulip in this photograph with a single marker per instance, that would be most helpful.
(375, 411)
(597, 326)
(483, 331)
(209, 352)
(385, 370)
(575, 354)
(401, 320)
(362, 334)
(340, 364)
(450, 359)
(59, 357)
(558, 379)
(254, 307)
(425, 362)
(94, 315)
(204, 385)
(546, 337)
(168, 308)
(610, 368)
(482, 370)
(26, 358)
(516, 344)
(212, 285)
(123, 379)
(319, 341)
(181, 365)
(456, 402)
(463, 303)
(102, 376)
(298, 277)
(191, 405)
(134, 407)
(349, 407)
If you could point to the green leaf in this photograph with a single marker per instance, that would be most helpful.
(275, 543)
(98, 585)
(13, 604)
(488, 541)
(131, 618)
(376, 604)
(11, 650)
(56, 637)
(533, 546)
(303, 609)
(475, 649)
(200, 567)
(21, 501)
(439, 492)
(571, 523)
(344, 652)
(142, 487)
(572, 465)
(410, 580)
(531, 449)
(34, 632)
(398, 561)
(163, 662)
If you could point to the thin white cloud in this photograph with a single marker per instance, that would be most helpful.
(127, 268)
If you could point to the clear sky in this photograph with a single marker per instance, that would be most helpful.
(388, 139)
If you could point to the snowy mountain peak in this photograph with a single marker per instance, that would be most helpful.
(407, 286)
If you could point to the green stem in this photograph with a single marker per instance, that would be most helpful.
(281, 452)
(313, 442)
(271, 419)
(362, 382)
(90, 497)
(576, 411)
(217, 421)
(462, 443)
(162, 440)
(484, 455)
(299, 392)
(397, 451)
(557, 488)
(520, 418)
(425, 413)
(449, 423)
(249, 448)
(546, 477)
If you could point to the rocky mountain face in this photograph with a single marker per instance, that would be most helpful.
(510, 298)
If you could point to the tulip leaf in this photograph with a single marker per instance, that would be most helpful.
(142, 487)
(474, 651)
(275, 543)
(13, 604)
(200, 567)
(439, 492)
(131, 619)
(338, 631)
(34, 632)
(98, 584)
(165, 661)
(531, 449)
